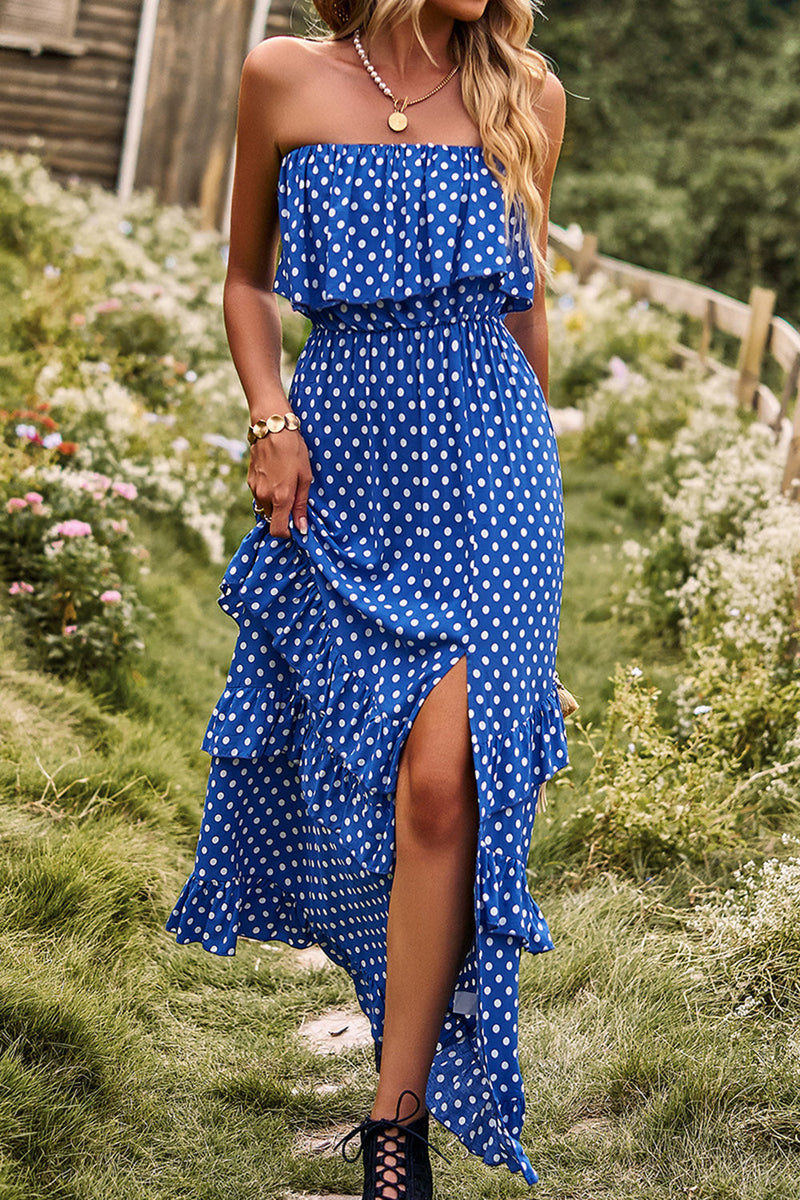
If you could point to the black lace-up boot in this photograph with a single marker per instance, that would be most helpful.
(396, 1160)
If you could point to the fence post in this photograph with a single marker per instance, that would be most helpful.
(709, 321)
(586, 257)
(792, 471)
(754, 344)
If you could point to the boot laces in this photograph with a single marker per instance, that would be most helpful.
(390, 1149)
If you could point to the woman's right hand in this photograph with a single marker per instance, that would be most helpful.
(279, 478)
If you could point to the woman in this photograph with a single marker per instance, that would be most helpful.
(391, 710)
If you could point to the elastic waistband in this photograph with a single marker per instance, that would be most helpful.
(470, 301)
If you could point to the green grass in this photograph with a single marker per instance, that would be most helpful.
(135, 1069)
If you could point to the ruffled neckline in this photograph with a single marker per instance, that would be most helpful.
(363, 222)
(378, 146)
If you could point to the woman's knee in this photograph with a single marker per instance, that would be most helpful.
(440, 804)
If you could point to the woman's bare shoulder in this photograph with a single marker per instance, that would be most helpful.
(283, 59)
(552, 104)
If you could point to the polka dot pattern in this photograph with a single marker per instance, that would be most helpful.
(435, 530)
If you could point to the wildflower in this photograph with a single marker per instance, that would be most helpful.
(701, 710)
(112, 304)
(74, 528)
(69, 630)
(52, 441)
(120, 526)
(112, 596)
(191, 377)
(16, 504)
(67, 448)
(77, 319)
(125, 228)
(51, 272)
(18, 588)
(28, 431)
(620, 372)
(127, 491)
(179, 444)
(33, 498)
(636, 672)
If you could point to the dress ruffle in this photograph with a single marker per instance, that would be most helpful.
(323, 717)
(217, 913)
(330, 264)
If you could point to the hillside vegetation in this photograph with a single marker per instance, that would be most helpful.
(658, 1041)
(683, 136)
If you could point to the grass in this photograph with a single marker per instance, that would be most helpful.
(133, 1068)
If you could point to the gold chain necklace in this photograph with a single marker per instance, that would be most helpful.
(397, 120)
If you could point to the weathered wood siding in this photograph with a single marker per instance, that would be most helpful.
(190, 118)
(72, 109)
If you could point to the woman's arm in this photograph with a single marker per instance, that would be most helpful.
(529, 328)
(280, 471)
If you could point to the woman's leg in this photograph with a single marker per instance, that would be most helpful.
(431, 922)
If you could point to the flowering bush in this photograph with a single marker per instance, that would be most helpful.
(70, 567)
(119, 347)
(751, 932)
(650, 799)
(595, 324)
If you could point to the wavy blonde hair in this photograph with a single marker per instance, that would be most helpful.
(502, 78)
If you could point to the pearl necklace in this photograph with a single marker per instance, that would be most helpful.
(397, 120)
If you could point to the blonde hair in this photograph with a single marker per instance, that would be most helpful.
(502, 78)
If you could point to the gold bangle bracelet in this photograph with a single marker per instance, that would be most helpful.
(272, 424)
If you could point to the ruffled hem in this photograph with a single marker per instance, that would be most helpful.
(409, 255)
(321, 715)
(507, 905)
(216, 914)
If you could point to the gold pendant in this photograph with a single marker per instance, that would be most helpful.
(398, 121)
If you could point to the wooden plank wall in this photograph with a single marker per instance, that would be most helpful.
(72, 110)
(190, 118)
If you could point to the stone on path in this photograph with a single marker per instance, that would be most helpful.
(322, 1141)
(592, 1127)
(337, 1030)
(305, 1196)
(312, 959)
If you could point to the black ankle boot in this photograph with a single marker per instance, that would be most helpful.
(396, 1161)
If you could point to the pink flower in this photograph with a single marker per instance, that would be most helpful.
(16, 504)
(120, 526)
(57, 545)
(74, 529)
(126, 490)
(77, 319)
(69, 629)
(33, 498)
(18, 589)
(107, 306)
(96, 483)
(112, 596)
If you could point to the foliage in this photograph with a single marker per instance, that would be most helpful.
(118, 397)
(70, 566)
(593, 326)
(751, 932)
(682, 143)
(651, 800)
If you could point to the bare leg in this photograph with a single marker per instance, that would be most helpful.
(431, 922)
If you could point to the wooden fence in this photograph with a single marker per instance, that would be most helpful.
(758, 331)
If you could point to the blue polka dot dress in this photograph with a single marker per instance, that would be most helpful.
(435, 530)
